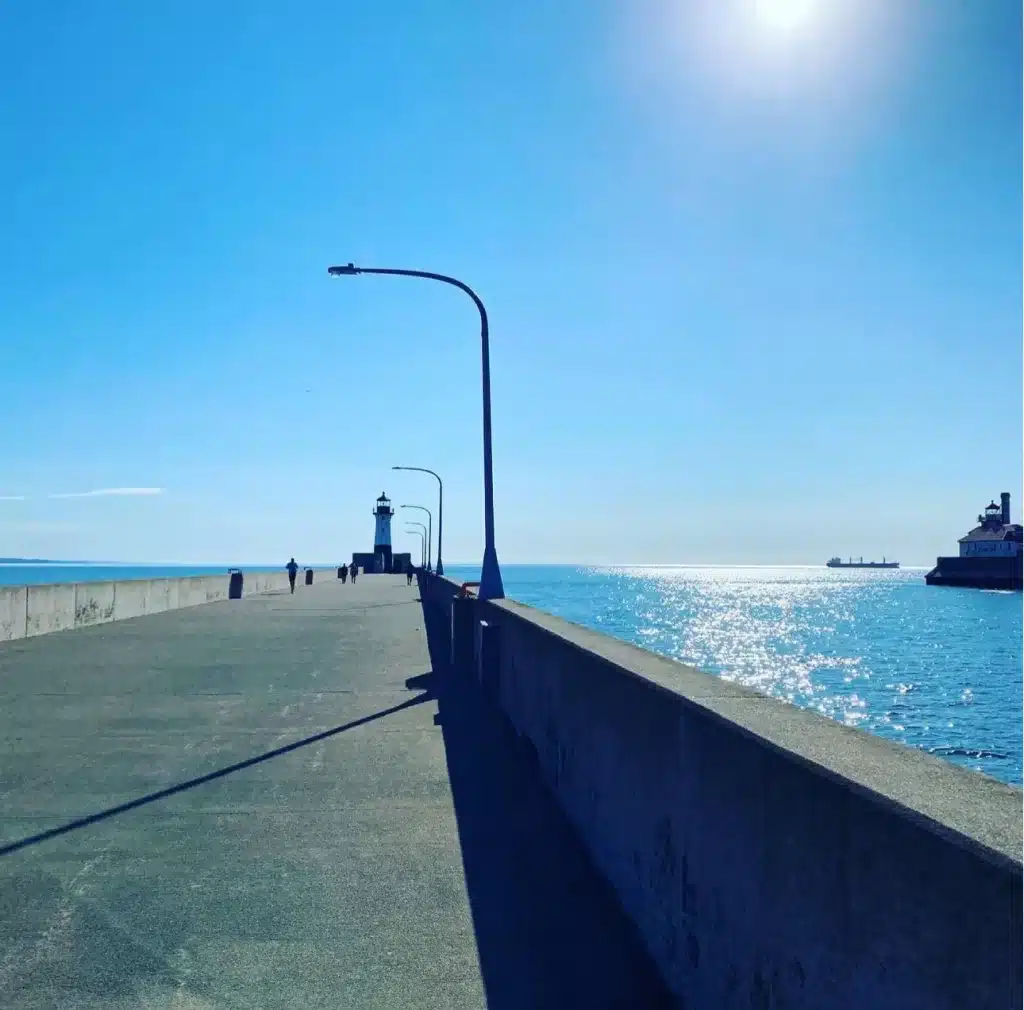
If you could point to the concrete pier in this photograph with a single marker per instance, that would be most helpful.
(978, 572)
(769, 856)
(382, 795)
(313, 815)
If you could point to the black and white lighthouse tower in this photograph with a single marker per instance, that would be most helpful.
(382, 533)
(383, 560)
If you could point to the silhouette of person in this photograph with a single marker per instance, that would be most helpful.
(344, 573)
(293, 570)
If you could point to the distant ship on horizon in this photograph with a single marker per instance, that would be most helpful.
(840, 563)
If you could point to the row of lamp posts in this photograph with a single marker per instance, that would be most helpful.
(491, 587)
(422, 534)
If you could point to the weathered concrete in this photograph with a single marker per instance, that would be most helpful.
(26, 611)
(94, 603)
(50, 608)
(130, 599)
(13, 612)
(769, 856)
(398, 856)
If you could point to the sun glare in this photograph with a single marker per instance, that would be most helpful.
(784, 16)
(795, 69)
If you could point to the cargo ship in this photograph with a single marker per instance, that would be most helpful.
(840, 563)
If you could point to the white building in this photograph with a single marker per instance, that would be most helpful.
(995, 536)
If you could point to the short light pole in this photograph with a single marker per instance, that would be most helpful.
(440, 509)
(422, 534)
(416, 533)
(491, 587)
(430, 528)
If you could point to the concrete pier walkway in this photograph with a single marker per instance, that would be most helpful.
(402, 857)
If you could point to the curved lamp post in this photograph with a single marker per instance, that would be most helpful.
(417, 533)
(430, 528)
(422, 534)
(491, 587)
(440, 508)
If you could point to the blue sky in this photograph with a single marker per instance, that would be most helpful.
(753, 270)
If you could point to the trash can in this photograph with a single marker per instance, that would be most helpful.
(309, 576)
(235, 585)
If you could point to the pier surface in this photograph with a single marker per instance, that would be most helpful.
(399, 855)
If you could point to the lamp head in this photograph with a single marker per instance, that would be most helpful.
(343, 271)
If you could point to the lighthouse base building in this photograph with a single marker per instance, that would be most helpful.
(991, 555)
(381, 560)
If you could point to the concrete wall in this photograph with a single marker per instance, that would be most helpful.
(985, 573)
(269, 582)
(366, 562)
(49, 608)
(771, 858)
(94, 603)
(26, 611)
(13, 611)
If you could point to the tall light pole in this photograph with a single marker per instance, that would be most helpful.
(422, 534)
(440, 509)
(491, 587)
(430, 528)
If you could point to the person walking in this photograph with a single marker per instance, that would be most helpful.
(354, 571)
(408, 574)
(344, 573)
(293, 570)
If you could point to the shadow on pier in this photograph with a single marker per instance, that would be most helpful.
(219, 773)
(549, 931)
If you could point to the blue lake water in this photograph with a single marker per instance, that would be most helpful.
(41, 574)
(934, 667)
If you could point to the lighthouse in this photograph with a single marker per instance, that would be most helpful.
(383, 560)
(382, 533)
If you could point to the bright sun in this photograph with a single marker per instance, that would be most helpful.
(784, 16)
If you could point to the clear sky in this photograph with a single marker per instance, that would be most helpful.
(753, 269)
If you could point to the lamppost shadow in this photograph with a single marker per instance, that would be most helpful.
(219, 773)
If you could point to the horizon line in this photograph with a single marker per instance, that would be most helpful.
(21, 562)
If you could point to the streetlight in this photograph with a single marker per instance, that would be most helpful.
(417, 533)
(440, 508)
(430, 528)
(422, 534)
(491, 587)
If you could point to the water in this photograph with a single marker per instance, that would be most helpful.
(41, 574)
(933, 667)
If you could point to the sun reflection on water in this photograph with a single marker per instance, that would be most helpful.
(934, 668)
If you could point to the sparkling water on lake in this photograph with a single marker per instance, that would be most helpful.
(934, 667)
